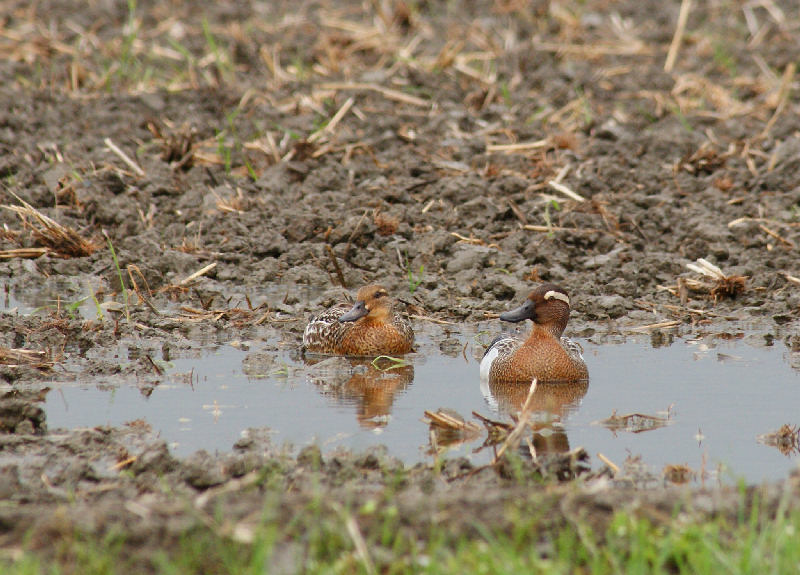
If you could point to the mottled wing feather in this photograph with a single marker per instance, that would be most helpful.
(324, 330)
(573, 348)
(404, 327)
(508, 345)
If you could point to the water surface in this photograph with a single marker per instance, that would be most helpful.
(719, 399)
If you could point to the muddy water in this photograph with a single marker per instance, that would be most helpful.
(711, 401)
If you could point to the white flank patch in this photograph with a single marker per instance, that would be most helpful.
(552, 294)
(486, 362)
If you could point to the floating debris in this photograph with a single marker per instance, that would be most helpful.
(497, 430)
(447, 427)
(636, 422)
(786, 439)
(678, 474)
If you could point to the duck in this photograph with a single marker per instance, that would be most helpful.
(545, 355)
(370, 327)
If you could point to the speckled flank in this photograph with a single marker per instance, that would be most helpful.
(501, 346)
(380, 331)
(545, 354)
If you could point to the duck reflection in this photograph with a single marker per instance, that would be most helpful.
(369, 385)
(551, 404)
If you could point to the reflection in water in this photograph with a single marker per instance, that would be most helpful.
(551, 404)
(369, 385)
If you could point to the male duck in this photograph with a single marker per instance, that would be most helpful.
(545, 355)
(369, 328)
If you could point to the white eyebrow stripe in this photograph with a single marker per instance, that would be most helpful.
(557, 295)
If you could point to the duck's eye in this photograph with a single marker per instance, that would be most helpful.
(380, 294)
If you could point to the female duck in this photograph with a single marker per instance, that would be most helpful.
(368, 328)
(545, 355)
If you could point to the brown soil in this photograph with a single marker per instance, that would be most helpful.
(472, 148)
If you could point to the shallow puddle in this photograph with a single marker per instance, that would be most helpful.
(709, 404)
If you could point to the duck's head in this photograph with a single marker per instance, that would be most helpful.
(547, 305)
(372, 301)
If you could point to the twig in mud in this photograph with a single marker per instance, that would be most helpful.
(23, 253)
(474, 241)
(156, 368)
(745, 219)
(336, 267)
(145, 298)
(331, 126)
(559, 187)
(236, 315)
(658, 325)
(547, 229)
(790, 278)
(632, 48)
(517, 212)
(680, 310)
(199, 273)
(235, 484)
(134, 268)
(680, 28)
(385, 92)
(521, 147)
(124, 157)
(59, 239)
(788, 243)
(124, 463)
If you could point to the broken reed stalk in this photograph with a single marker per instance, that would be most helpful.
(199, 273)
(520, 147)
(145, 298)
(24, 253)
(331, 126)
(611, 465)
(559, 187)
(677, 38)
(13, 357)
(60, 239)
(524, 415)
(124, 157)
(450, 421)
(548, 229)
(362, 552)
(387, 93)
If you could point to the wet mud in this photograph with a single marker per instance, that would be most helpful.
(456, 153)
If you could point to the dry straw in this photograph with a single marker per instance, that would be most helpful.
(57, 238)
